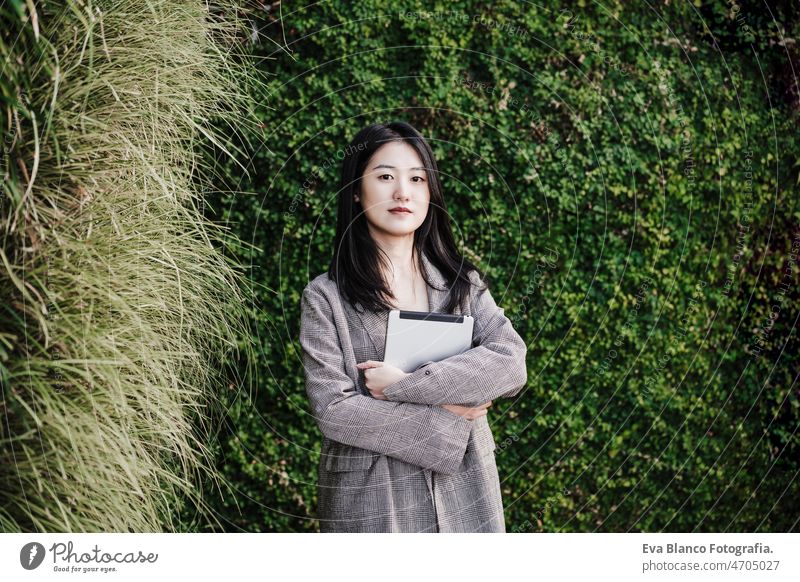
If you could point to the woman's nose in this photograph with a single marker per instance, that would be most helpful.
(402, 191)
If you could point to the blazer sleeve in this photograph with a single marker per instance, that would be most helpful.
(494, 367)
(427, 436)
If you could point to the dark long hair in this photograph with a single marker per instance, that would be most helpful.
(355, 265)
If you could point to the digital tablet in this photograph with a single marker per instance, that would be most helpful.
(416, 337)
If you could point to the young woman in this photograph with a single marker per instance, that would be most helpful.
(402, 452)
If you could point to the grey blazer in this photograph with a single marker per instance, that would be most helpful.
(406, 464)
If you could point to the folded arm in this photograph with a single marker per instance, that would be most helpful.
(427, 436)
(494, 368)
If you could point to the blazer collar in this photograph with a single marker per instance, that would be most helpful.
(375, 322)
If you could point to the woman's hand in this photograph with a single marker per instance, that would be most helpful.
(379, 375)
(470, 413)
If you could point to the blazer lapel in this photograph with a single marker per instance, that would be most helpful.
(375, 322)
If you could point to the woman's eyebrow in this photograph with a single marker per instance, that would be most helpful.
(393, 167)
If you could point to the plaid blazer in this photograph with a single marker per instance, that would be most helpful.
(406, 464)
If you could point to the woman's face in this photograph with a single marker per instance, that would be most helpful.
(394, 178)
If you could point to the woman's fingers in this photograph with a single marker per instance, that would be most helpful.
(369, 364)
(469, 412)
(475, 412)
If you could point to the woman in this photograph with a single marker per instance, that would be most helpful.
(402, 452)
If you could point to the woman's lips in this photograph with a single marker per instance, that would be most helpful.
(400, 211)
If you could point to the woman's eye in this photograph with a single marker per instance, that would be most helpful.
(416, 178)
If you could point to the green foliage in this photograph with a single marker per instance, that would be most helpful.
(118, 307)
(630, 189)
